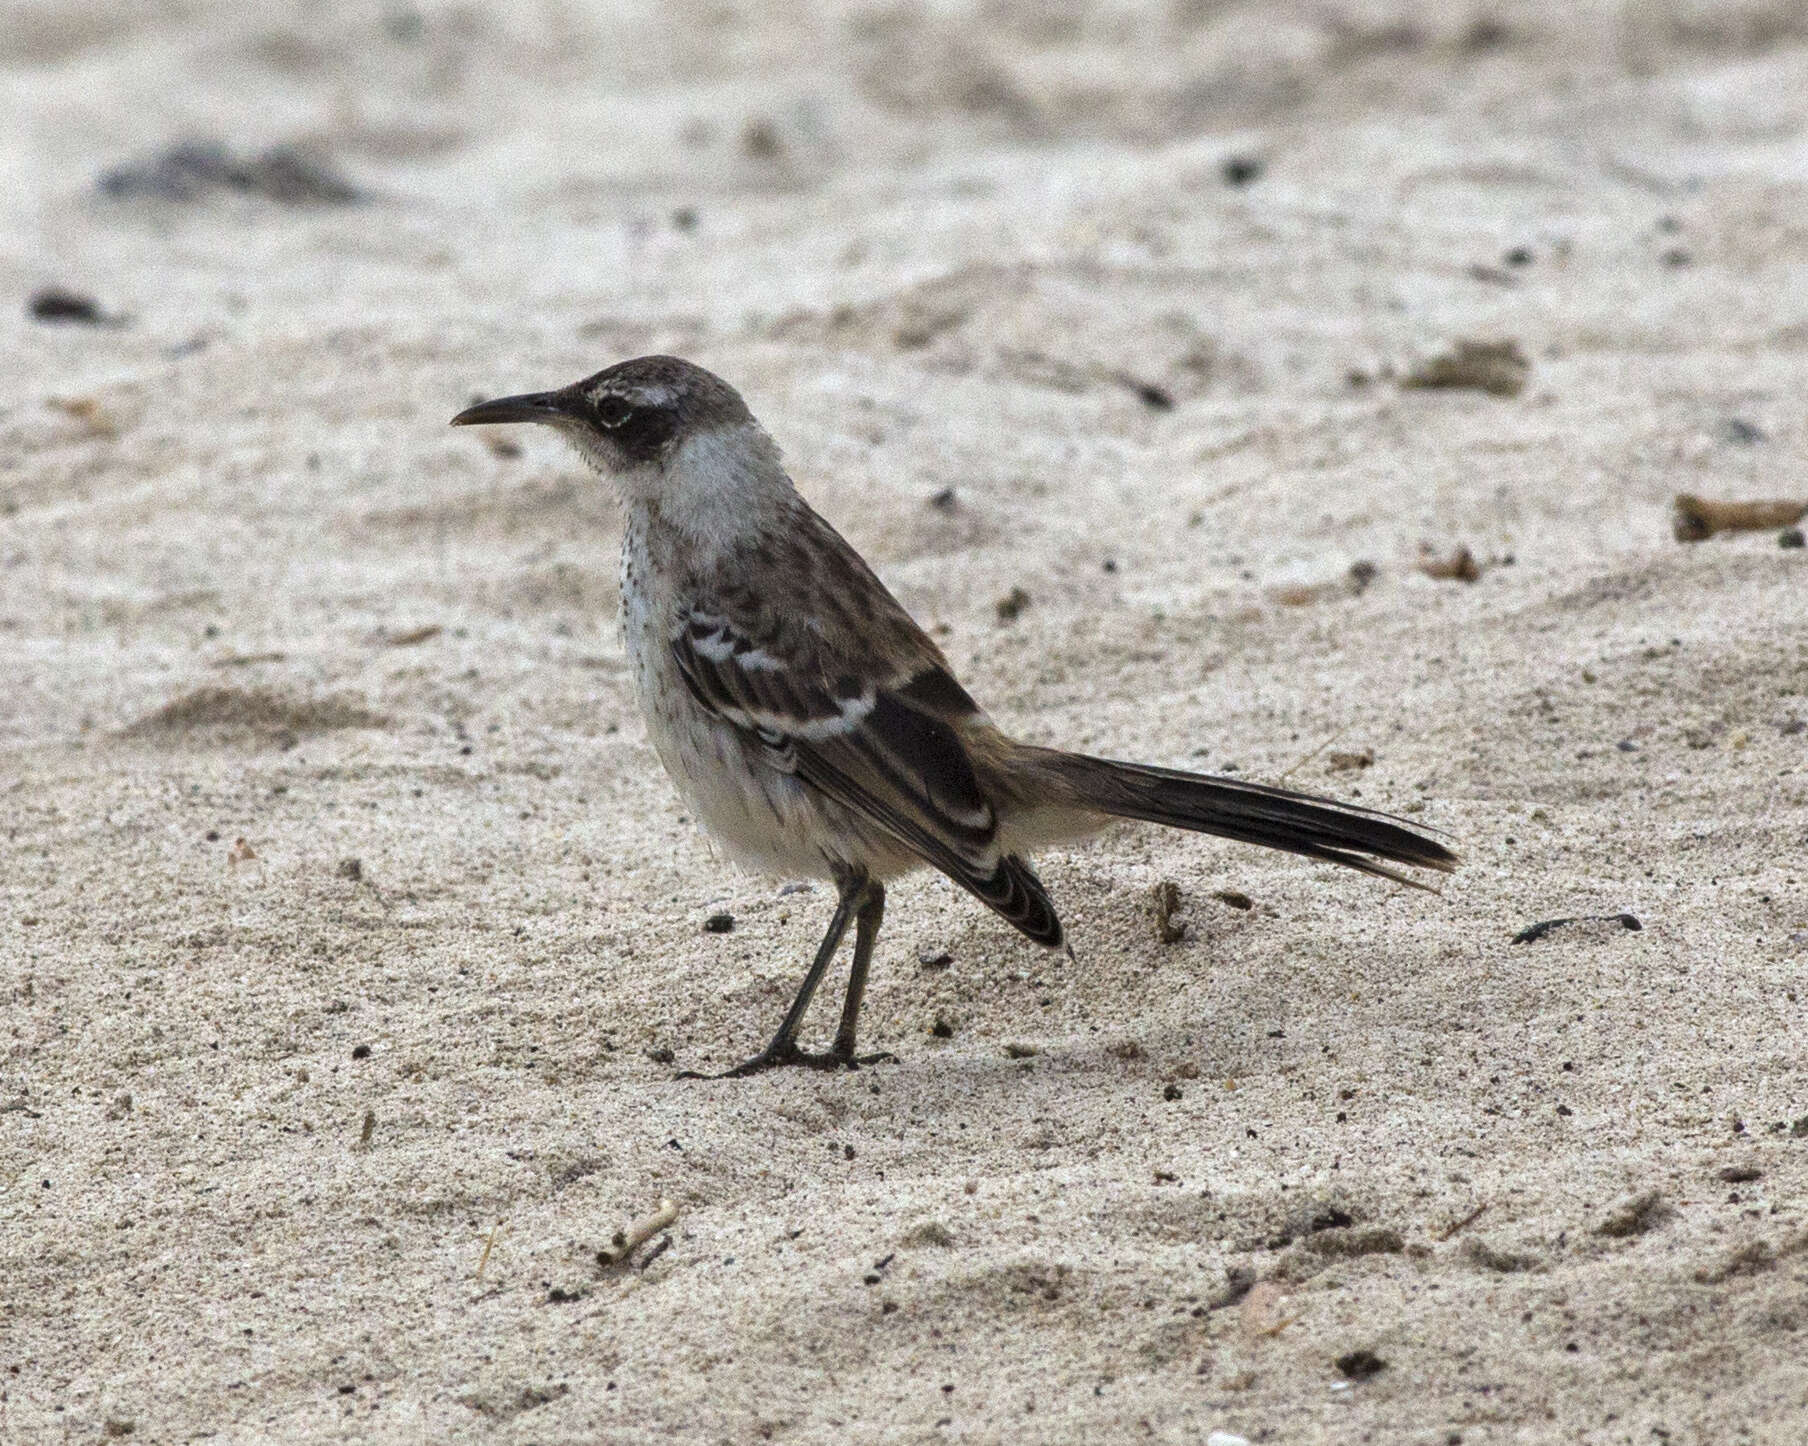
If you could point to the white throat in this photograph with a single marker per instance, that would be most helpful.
(716, 487)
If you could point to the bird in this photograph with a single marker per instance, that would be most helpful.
(817, 732)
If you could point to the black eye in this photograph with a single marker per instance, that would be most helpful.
(613, 411)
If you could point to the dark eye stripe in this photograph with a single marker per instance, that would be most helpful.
(640, 431)
(646, 432)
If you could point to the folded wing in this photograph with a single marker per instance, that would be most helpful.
(879, 735)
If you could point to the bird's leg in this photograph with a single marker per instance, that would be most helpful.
(866, 935)
(856, 898)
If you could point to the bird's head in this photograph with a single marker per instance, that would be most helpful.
(660, 428)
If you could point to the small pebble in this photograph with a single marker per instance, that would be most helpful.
(1360, 1365)
(54, 304)
(760, 140)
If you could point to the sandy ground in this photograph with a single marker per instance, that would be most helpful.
(296, 1148)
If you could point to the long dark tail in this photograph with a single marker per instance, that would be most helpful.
(1275, 818)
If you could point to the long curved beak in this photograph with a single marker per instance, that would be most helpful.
(528, 407)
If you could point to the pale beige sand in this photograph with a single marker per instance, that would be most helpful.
(930, 245)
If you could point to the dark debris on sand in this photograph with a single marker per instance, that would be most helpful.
(193, 170)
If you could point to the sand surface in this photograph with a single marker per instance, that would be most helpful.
(349, 929)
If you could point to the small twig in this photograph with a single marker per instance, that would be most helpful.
(1532, 933)
(489, 1244)
(1456, 1227)
(1156, 398)
(626, 1242)
(1695, 519)
(663, 1244)
(1460, 566)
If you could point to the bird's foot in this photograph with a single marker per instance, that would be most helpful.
(790, 1056)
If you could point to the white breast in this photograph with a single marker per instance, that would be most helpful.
(764, 818)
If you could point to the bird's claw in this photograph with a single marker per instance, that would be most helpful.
(789, 1057)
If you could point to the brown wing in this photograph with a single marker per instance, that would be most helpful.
(876, 728)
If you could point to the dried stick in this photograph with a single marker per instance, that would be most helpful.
(626, 1242)
(1698, 518)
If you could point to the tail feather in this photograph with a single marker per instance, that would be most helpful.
(1256, 813)
(1019, 897)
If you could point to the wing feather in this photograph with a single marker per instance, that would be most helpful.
(882, 742)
